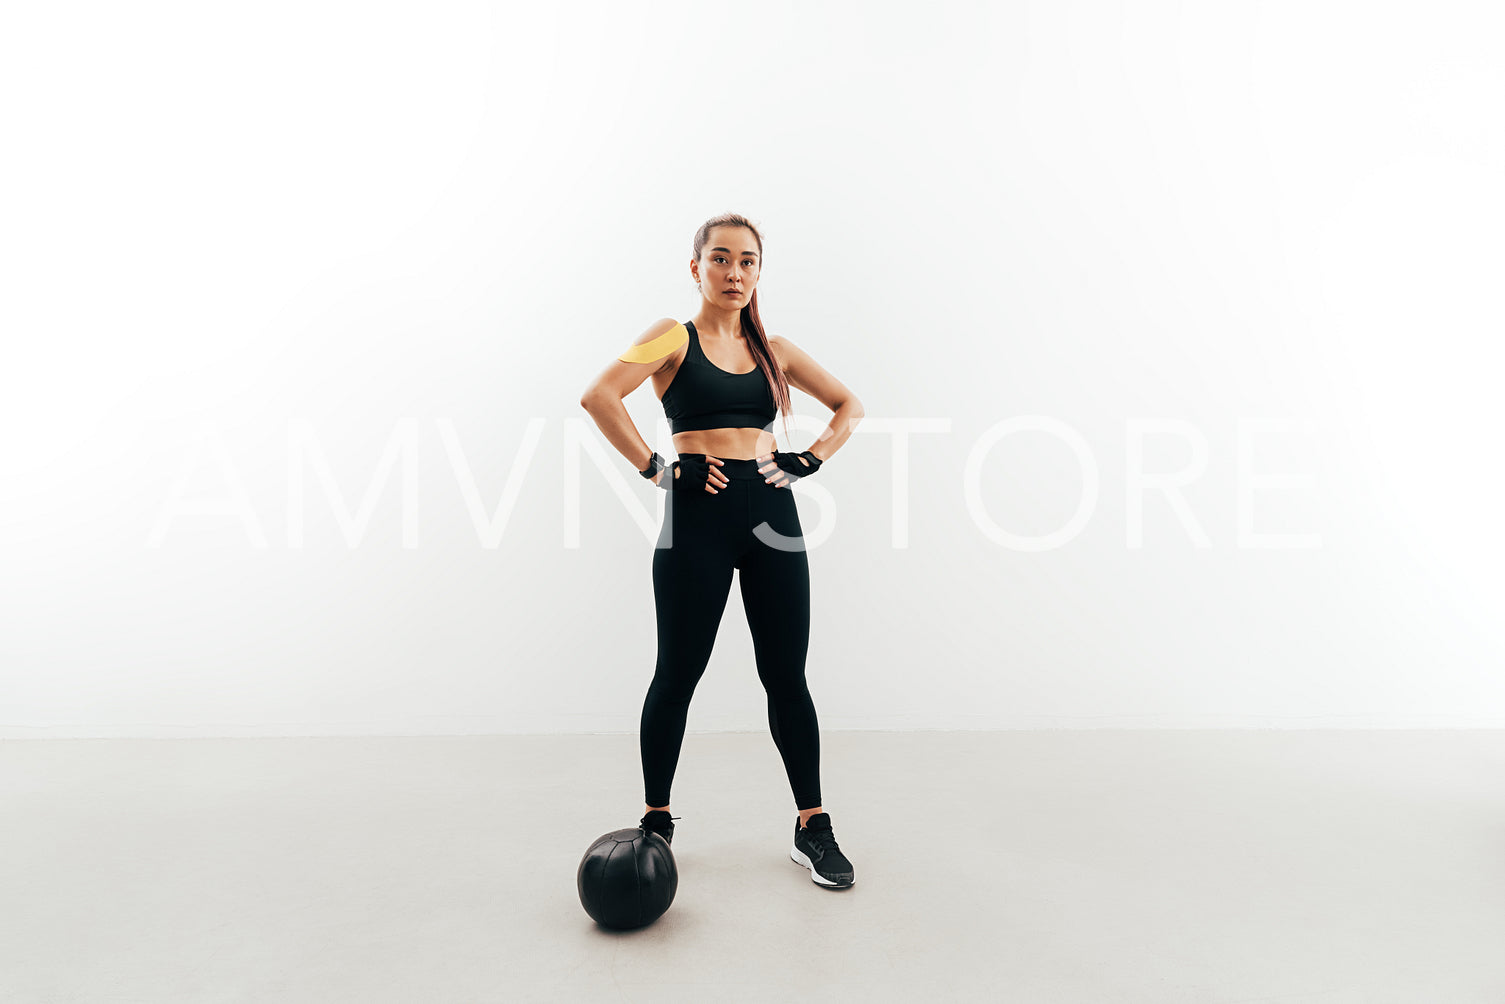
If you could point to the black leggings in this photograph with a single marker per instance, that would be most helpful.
(755, 528)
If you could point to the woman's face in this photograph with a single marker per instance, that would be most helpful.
(729, 261)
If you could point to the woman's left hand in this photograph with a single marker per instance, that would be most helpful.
(783, 469)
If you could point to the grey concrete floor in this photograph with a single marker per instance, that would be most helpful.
(1049, 866)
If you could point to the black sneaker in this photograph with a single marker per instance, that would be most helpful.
(815, 848)
(658, 821)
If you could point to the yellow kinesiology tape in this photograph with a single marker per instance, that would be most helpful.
(656, 348)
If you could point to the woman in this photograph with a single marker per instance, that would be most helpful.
(721, 380)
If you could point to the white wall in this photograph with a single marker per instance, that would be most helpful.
(383, 250)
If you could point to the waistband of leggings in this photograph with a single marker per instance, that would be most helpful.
(735, 470)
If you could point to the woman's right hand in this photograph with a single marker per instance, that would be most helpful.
(693, 472)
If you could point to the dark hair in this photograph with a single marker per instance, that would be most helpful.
(752, 324)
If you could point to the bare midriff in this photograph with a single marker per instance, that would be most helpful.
(727, 444)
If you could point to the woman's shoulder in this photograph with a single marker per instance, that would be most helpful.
(661, 339)
(783, 350)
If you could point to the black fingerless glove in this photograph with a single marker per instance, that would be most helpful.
(791, 465)
(693, 470)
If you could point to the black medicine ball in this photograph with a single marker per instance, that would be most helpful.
(627, 878)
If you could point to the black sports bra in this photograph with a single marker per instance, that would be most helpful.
(702, 395)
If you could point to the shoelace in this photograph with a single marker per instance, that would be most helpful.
(823, 838)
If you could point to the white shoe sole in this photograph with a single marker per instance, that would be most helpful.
(800, 858)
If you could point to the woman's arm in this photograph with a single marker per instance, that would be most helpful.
(801, 371)
(653, 350)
